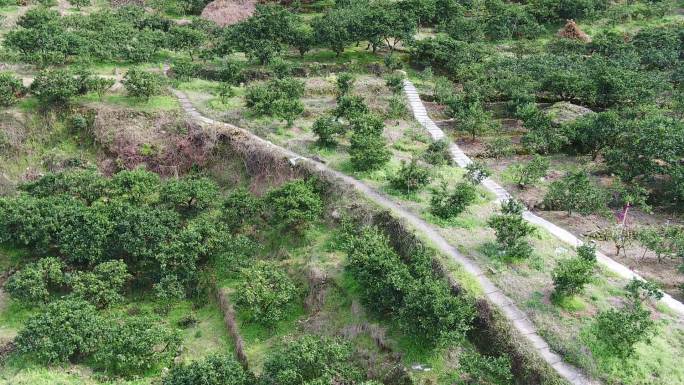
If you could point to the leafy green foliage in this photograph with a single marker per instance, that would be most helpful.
(531, 172)
(278, 97)
(476, 172)
(265, 293)
(542, 137)
(79, 3)
(368, 148)
(216, 369)
(437, 153)
(64, 331)
(327, 129)
(311, 359)
(294, 206)
(433, 314)
(411, 177)
(617, 331)
(189, 195)
(379, 270)
(512, 231)
(142, 84)
(571, 275)
(136, 344)
(344, 82)
(54, 87)
(187, 38)
(575, 192)
(487, 369)
(449, 204)
(103, 285)
(350, 107)
(34, 283)
(11, 89)
(240, 208)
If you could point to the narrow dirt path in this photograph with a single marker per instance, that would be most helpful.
(516, 317)
(462, 160)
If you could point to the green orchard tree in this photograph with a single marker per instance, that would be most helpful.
(512, 231)
(215, 369)
(368, 147)
(142, 84)
(34, 283)
(11, 89)
(64, 331)
(293, 206)
(103, 286)
(134, 345)
(54, 87)
(189, 195)
(575, 193)
(265, 293)
(187, 38)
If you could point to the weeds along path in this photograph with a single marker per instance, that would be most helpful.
(516, 317)
(462, 160)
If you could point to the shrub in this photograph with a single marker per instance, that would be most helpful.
(499, 147)
(265, 293)
(136, 344)
(79, 3)
(278, 97)
(65, 330)
(54, 87)
(571, 275)
(411, 177)
(185, 69)
(345, 82)
(618, 331)
(382, 275)
(434, 315)
(393, 62)
(189, 195)
(11, 89)
(350, 107)
(368, 148)
(476, 172)
(294, 205)
(487, 369)
(395, 82)
(542, 137)
(438, 153)
(142, 84)
(446, 204)
(512, 231)
(311, 360)
(575, 192)
(103, 286)
(240, 208)
(34, 283)
(216, 369)
(327, 128)
(530, 173)
(396, 107)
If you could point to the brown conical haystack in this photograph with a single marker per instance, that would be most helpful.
(228, 12)
(572, 31)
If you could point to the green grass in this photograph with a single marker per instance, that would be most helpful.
(155, 103)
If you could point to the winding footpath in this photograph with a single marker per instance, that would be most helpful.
(516, 317)
(462, 160)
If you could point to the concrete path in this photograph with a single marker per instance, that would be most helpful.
(462, 160)
(516, 317)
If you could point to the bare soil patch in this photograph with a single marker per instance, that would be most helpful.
(228, 12)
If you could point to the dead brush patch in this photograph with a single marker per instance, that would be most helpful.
(228, 12)
(13, 132)
(164, 142)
